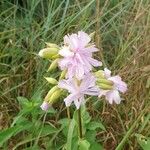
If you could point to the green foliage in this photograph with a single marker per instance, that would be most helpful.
(144, 142)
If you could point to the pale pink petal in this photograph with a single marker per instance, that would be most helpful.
(120, 85)
(94, 62)
(65, 52)
(69, 99)
(63, 63)
(68, 85)
(79, 101)
(79, 71)
(70, 72)
(113, 96)
(107, 72)
(79, 57)
(94, 91)
(102, 92)
(90, 49)
(84, 38)
(88, 81)
(45, 105)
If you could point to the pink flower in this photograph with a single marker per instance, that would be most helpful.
(77, 55)
(45, 106)
(118, 86)
(79, 90)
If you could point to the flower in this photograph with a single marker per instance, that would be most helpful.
(118, 86)
(77, 55)
(78, 89)
(45, 105)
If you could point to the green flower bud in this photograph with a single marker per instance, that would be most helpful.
(48, 53)
(55, 56)
(104, 81)
(51, 45)
(53, 65)
(49, 94)
(99, 74)
(92, 35)
(105, 86)
(63, 74)
(55, 96)
(51, 80)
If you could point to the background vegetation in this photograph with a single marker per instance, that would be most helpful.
(123, 36)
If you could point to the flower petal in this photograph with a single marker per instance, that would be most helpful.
(45, 105)
(120, 85)
(84, 38)
(65, 52)
(113, 96)
(107, 72)
(69, 99)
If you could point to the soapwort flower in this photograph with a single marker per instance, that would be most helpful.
(115, 86)
(78, 89)
(77, 55)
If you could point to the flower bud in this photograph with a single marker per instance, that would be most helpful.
(55, 96)
(51, 45)
(105, 86)
(49, 94)
(104, 81)
(53, 65)
(45, 105)
(51, 80)
(48, 53)
(92, 35)
(63, 74)
(55, 56)
(99, 74)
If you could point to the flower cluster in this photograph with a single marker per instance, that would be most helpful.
(75, 59)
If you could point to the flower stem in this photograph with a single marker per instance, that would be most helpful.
(68, 114)
(80, 123)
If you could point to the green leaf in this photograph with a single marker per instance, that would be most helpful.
(48, 129)
(8, 133)
(70, 134)
(143, 141)
(95, 125)
(85, 115)
(23, 101)
(84, 145)
(96, 146)
(64, 122)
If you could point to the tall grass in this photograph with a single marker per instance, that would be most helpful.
(124, 31)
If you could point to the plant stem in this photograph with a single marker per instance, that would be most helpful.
(68, 114)
(80, 123)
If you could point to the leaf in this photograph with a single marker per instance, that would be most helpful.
(95, 125)
(84, 145)
(8, 133)
(70, 134)
(85, 115)
(96, 146)
(23, 101)
(48, 129)
(143, 141)
(64, 122)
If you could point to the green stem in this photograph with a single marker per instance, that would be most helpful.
(80, 123)
(68, 114)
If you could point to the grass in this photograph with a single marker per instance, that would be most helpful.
(123, 35)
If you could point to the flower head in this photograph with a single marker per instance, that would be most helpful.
(78, 89)
(77, 55)
(118, 86)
